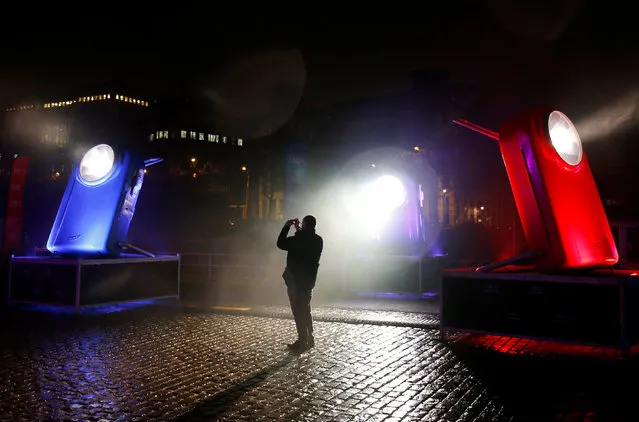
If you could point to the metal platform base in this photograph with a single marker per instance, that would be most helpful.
(599, 308)
(393, 273)
(89, 282)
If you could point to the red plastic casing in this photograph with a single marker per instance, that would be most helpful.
(559, 205)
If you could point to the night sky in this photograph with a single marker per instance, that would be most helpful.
(579, 55)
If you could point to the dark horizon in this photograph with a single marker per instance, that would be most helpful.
(509, 51)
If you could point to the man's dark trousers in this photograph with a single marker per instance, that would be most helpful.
(300, 299)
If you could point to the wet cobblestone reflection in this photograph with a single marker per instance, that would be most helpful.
(166, 363)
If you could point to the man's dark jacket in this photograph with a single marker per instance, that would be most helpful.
(302, 262)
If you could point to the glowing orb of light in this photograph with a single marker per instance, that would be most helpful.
(97, 163)
(387, 192)
(565, 138)
(376, 201)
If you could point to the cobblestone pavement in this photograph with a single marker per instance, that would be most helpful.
(163, 363)
(170, 362)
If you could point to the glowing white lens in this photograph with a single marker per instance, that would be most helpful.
(97, 163)
(565, 138)
(376, 201)
(389, 193)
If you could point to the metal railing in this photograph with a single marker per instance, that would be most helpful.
(208, 266)
(349, 272)
(344, 272)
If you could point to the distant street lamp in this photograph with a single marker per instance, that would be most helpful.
(246, 201)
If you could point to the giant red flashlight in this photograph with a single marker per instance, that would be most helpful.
(555, 193)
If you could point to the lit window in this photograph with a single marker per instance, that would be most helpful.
(216, 138)
(109, 96)
(239, 142)
(210, 138)
(201, 137)
(192, 135)
(183, 134)
(151, 137)
(223, 139)
(166, 134)
(158, 134)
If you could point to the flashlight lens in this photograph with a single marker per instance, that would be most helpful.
(97, 163)
(565, 138)
(389, 192)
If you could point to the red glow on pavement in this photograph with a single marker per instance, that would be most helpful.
(541, 348)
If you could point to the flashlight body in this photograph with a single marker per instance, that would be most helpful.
(559, 205)
(93, 219)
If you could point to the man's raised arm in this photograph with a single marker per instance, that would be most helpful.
(283, 241)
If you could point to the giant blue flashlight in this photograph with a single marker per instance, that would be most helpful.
(98, 203)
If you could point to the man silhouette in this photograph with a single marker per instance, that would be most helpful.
(302, 262)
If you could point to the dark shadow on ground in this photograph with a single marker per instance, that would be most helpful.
(217, 405)
(542, 386)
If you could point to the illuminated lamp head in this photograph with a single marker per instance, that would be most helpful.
(387, 193)
(565, 138)
(376, 202)
(97, 164)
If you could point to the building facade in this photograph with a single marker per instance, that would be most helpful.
(53, 131)
(73, 121)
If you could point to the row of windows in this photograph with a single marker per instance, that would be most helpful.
(24, 107)
(102, 97)
(199, 136)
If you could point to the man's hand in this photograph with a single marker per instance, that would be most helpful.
(289, 223)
